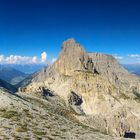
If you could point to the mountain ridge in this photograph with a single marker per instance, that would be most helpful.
(11, 75)
(6, 86)
(95, 85)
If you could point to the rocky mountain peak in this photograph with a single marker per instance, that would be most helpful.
(72, 44)
(95, 86)
(72, 58)
(68, 42)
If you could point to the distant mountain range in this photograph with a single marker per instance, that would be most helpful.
(28, 68)
(6, 86)
(11, 75)
(15, 73)
(133, 68)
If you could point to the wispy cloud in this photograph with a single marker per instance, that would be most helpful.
(134, 55)
(128, 58)
(17, 59)
(53, 60)
(118, 57)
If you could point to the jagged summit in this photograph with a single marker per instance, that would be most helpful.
(73, 57)
(68, 43)
(71, 43)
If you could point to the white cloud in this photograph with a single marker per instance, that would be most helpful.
(34, 59)
(17, 59)
(1, 58)
(118, 57)
(53, 60)
(44, 57)
(134, 55)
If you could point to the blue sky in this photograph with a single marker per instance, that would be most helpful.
(30, 27)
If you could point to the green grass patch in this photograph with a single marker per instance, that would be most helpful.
(137, 96)
(21, 129)
(124, 96)
(39, 133)
(9, 114)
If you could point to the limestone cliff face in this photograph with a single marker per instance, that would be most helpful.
(107, 65)
(72, 58)
(95, 85)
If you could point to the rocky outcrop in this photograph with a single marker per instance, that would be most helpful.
(75, 101)
(106, 65)
(72, 58)
(106, 96)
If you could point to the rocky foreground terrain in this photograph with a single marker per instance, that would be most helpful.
(80, 96)
(25, 117)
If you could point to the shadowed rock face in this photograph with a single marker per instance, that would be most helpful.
(75, 102)
(7, 86)
(74, 99)
(104, 91)
(130, 135)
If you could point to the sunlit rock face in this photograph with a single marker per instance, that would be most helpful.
(72, 58)
(95, 86)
